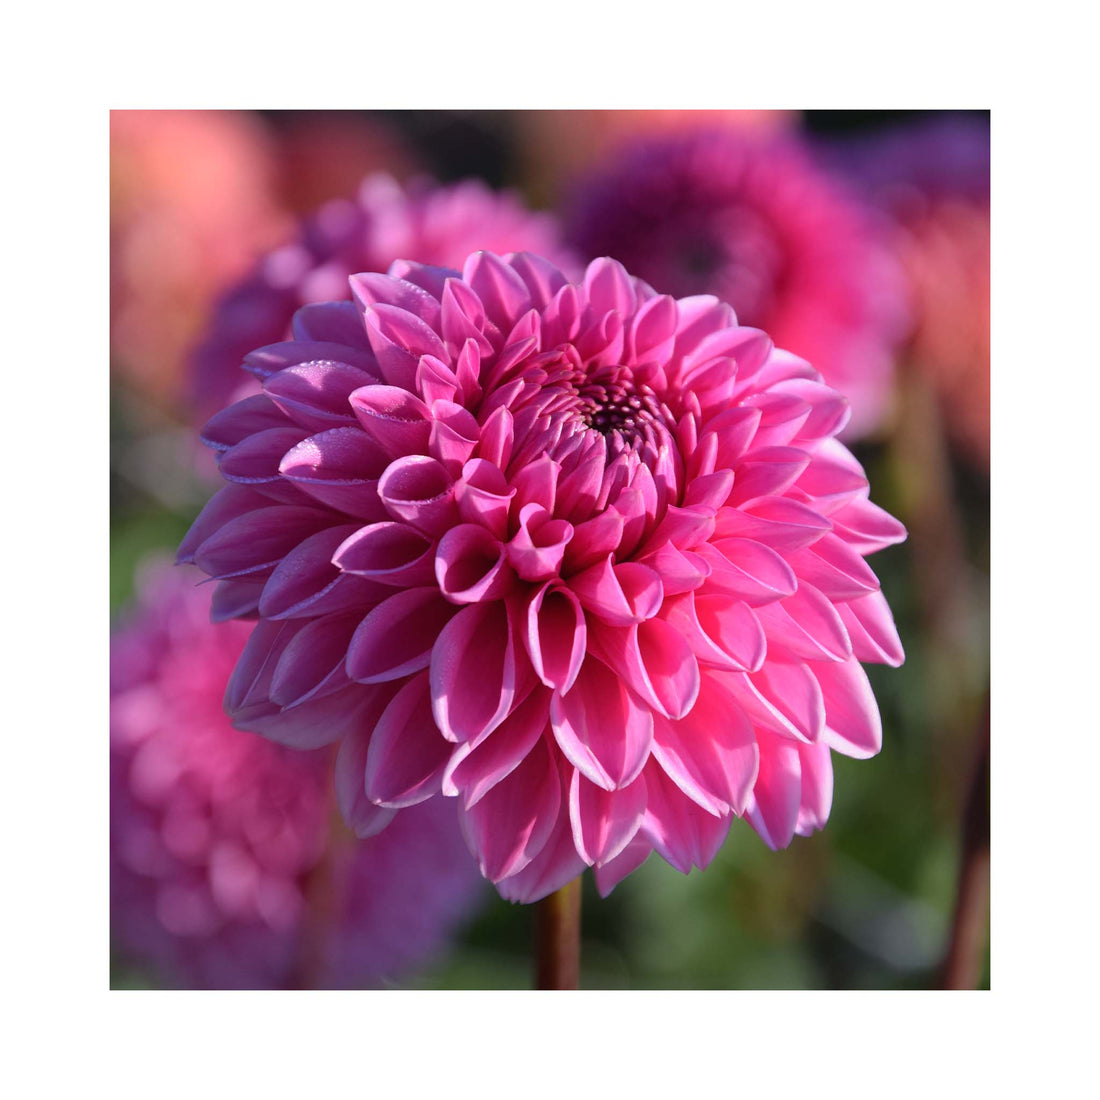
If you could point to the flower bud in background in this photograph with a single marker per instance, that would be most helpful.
(230, 867)
(754, 221)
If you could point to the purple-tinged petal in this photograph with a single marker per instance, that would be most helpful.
(396, 638)
(406, 754)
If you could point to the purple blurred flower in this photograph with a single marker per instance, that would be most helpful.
(229, 867)
(757, 223)
(423, 222)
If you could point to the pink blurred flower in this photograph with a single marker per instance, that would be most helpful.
(226, 868)
(585, 557)
(423, 222)
(193, 203)
(757, 223)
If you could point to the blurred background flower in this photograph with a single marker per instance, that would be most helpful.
(202, 200)
(381, 223)
(230, 868)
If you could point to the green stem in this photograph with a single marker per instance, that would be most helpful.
(558, 923)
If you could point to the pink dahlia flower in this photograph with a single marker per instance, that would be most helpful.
(587, 558)
(228, 869)
(757, 223)
(423, 222)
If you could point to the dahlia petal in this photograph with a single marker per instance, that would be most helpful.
(866, 528)
(435, 381)
(473, 672)
(655, 660)
(870, 625)
(604, 822)
(389, 553)
(396, 421)
(679, 572)
(236, 599)
(226, 504)
(363, 817)
(815, 762)
(313, 663)
(258, 539)
(495, 445)
(556, 864)
(710, 491)
(619, 594)
(682, 832)
(542, 279)
(463, 317)
(833, 479)
(791, 694)
(747, 569)
(274, 358)
(454, 434)
(556, 636)
(853, 725)
(398, 339)
(782, 418)
(608, 287)
(806, 625)
(777, 794)
(513, 820)
(610, 874)
(372, 288)
(330, 467)
(592, 541)
(538, 547)
(784, 525)
(474, 770)
(484, 496)
(537, 483)
(470, 565)
(830, 410)
(333, 322)
(426, 276)
(711, 753)
(406, 755)
(733, 629)
(500, 288)
(315, 394)
(767, 472)
(396, 638)
(418, 490)
(310, 725)
(652, 333)
(835, 569)
(250, 683)
(601, 727)
(242, 420)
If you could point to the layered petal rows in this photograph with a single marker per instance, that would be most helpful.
(583, 557)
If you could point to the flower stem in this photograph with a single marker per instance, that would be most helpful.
(559, 938)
